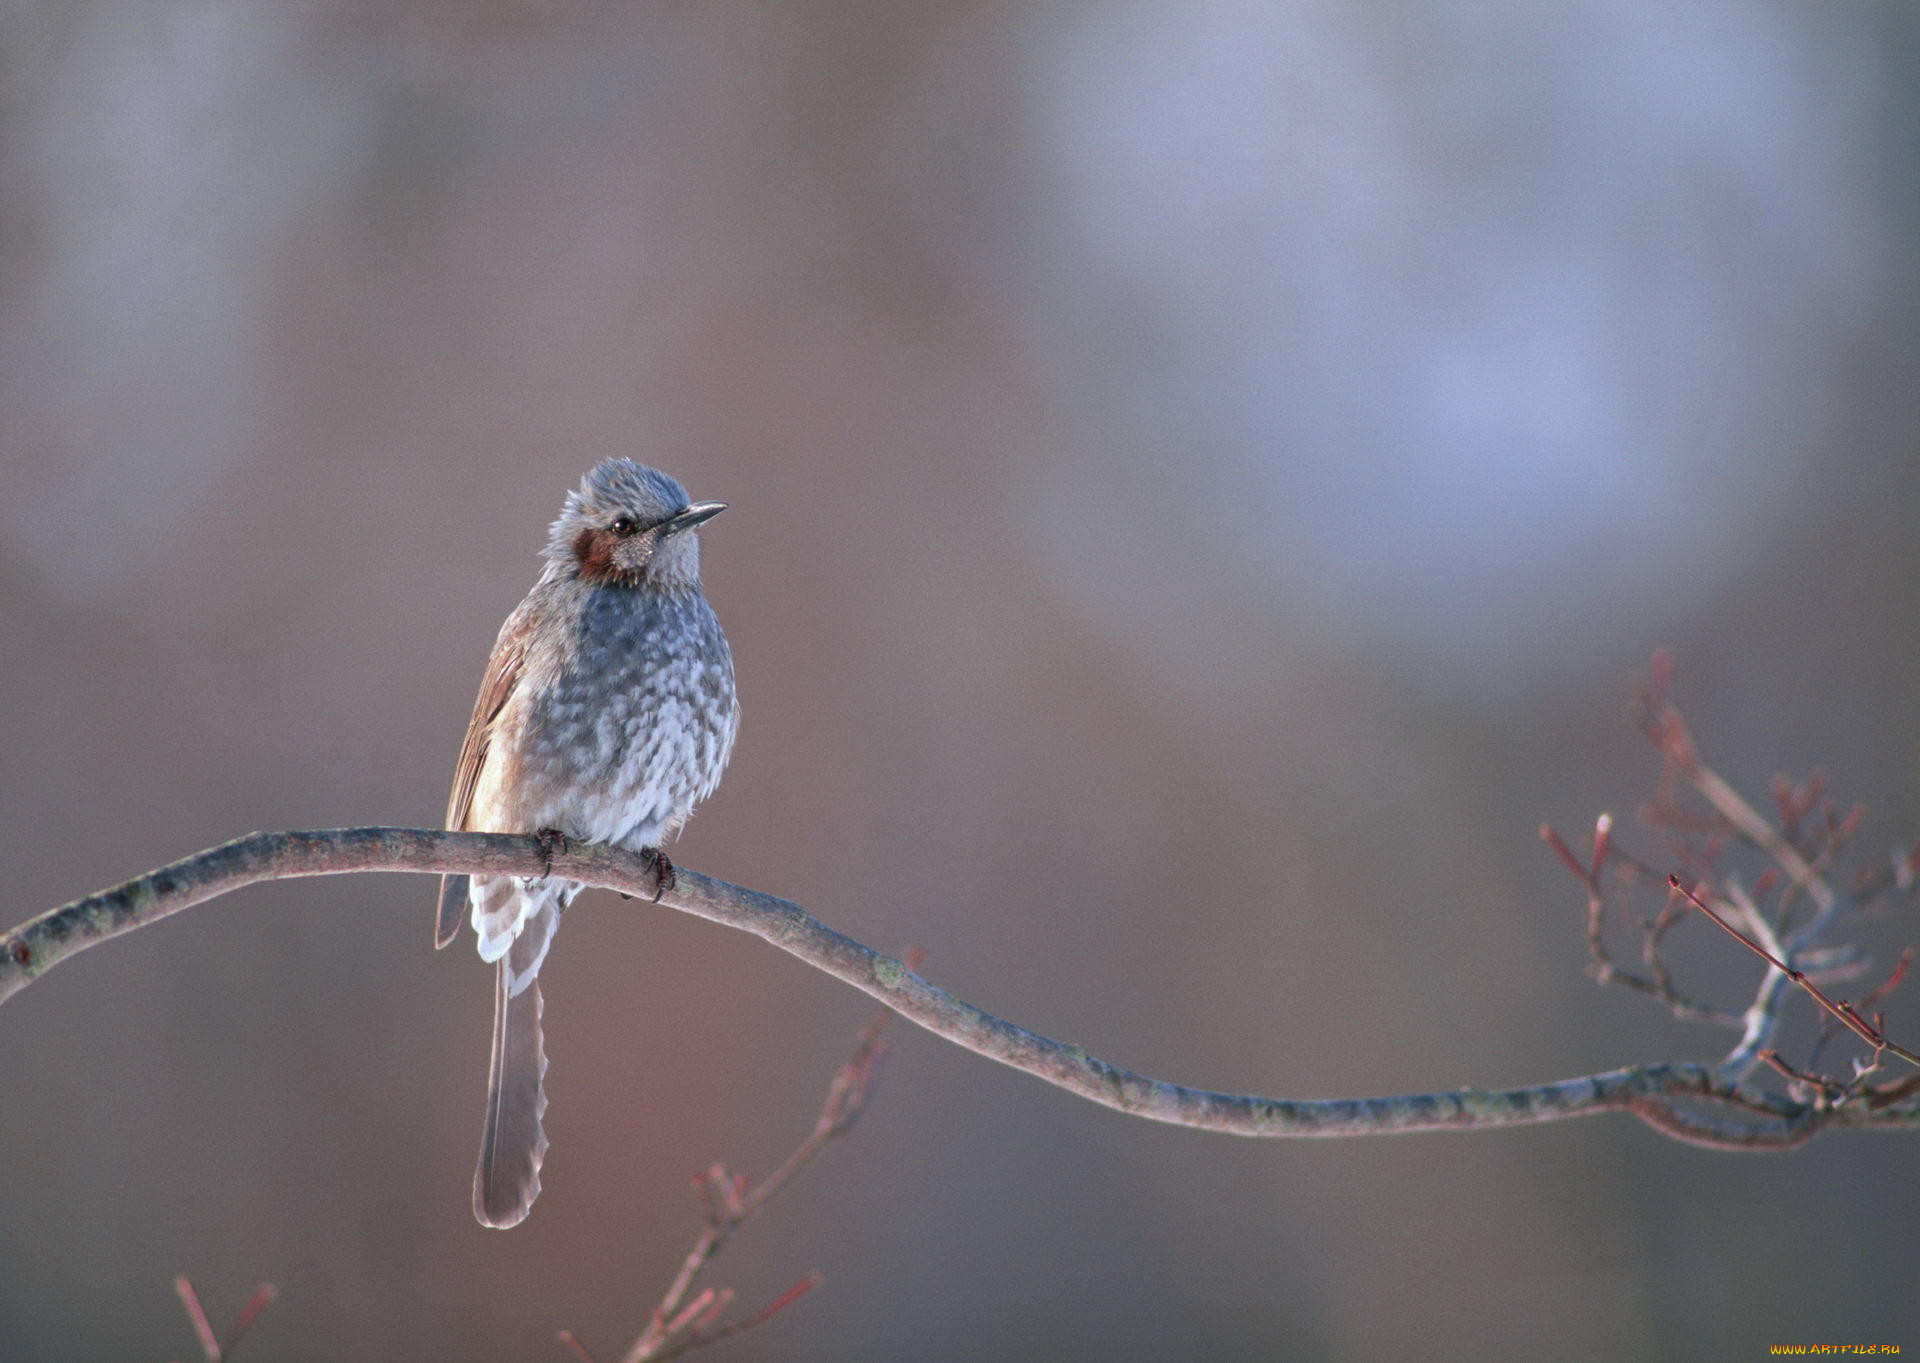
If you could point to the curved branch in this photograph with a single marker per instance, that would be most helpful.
(1748, 1119)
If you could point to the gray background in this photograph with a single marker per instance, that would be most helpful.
(1247, 449)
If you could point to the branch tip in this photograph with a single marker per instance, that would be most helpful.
(785, 1299)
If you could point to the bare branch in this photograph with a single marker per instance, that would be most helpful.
(197, 1314)
(1660, 720)
(1816, 1083)
(1602, 966)
(1843, 1012)
(210, 1345)
(677, 1325)
(1767, 1120)
(1800, 851)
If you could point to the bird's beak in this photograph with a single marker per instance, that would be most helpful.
(697, 514)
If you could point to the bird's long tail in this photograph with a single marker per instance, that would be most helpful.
(512, 1143)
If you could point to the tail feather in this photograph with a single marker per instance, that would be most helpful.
(513, 1143)
(515, 919)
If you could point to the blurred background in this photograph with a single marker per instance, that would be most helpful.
(1204, 478)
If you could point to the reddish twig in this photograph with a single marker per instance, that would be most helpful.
(202, 1327)
(1874, 995)
(678, 1324)
(1813, 830)
(1879, 1099)
(1668, 732)
(1825, 1087)
(210, 1344)
(1845, 1012)
(1604, 968)
(1892, 982)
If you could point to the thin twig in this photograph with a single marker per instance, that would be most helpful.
(1603, 967)
(1830, 1029)
(263, 1296)
(1670, 734)
(196, 1314)
(210, 1344)
(1845, 1012)
(675, 1325)
(1826, 1088)
(1802, 849)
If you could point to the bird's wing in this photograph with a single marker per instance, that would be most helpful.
(496, 689)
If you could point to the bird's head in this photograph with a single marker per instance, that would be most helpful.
(630, 525)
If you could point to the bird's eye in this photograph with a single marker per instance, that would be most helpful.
(623, 526)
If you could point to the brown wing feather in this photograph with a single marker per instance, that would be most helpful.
(496, 689)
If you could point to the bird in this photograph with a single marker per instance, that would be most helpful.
(606, 713)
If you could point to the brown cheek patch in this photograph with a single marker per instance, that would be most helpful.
(594, 550)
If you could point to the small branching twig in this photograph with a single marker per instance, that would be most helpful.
(678, 1325)
(1844, 1012)
(1799, 851)
(1657, 983)
(1818, 1083)
(210, 1343)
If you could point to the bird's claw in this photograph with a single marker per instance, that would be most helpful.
(551, 840)
(663, 873)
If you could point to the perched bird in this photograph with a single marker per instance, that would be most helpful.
(607, 712)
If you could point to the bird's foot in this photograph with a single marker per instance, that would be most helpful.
(663, 874)
(551, 840)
